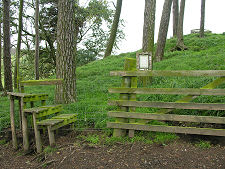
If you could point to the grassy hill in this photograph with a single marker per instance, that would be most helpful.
(93, 80)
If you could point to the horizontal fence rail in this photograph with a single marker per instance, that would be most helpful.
(169, 129)
(166, 73)
(168, 117)
(183, 91)
(169, 105)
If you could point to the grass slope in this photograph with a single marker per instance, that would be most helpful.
(93, 80)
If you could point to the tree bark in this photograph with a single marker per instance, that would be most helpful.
(6, 48)
(163, 29)
(20, 27)
(180, 38)
(37, 40)
(65, 54)
(1, 86)
(149, 26)
(114, 28)
(175, 16)
(202, 24)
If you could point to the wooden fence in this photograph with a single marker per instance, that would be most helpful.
(126, 117)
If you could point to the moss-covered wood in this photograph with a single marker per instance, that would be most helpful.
(168, 117)
(130, 64)
(169, 105)
(44, 111)
(173, 91)
(170, 129)
(41, 82)
(168, 73)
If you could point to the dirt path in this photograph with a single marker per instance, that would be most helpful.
(178, 154)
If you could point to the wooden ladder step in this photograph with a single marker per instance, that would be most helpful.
(65, 116)
(49, 122)
(44, 110)
(35, 110)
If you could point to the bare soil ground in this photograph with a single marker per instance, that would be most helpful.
(80, 155)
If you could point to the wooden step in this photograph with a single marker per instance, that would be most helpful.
(49, 122)
(35, 110)
(44, 110)
(28, 97)
(65, 116)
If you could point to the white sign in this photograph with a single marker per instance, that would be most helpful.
(143, 59)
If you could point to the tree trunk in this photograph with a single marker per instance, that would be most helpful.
(1, 87)
(163, 29)
(37, 40)
(65, 54)
(6, 48)
(175, 16)
(20, 27)
(180, 38)
(115, 24)
(149, 26)
(202, 24)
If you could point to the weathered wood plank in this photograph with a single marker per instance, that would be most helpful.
(41, 82)
(183, 91)
(49, 122)
(169, 105)
(12, 121)
(196, 73)
(51, 136)
(24, 127)
(169, 129)
(37, 135)
(168, 117)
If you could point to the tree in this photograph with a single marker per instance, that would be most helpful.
(114, 28)
(20, 27)
(1, 87)
(175, 16)
(149, 26)
(202, 23)
(65, 54)
(6, 48)
(163, 29)
(180, 39)
(37, 40)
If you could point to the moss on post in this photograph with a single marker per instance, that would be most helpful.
(129, 65)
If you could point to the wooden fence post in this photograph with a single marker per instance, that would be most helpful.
(130, 64)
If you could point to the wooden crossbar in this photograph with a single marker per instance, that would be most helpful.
(166, 73)
(169, 105)
(183, 91)
(41, 82)
(169, 129)
(168, 117)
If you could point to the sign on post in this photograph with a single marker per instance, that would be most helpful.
(144, 61)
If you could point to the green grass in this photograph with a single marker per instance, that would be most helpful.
(141, 137)
(93, 81)
(49, 150)
(203, 144)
